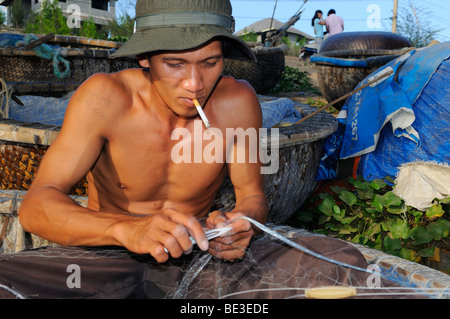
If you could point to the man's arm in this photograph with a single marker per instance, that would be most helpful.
(248, 183)
(49, 212)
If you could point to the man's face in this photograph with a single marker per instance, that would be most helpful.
(180, 77)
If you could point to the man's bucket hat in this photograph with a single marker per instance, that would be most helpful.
(174, 25)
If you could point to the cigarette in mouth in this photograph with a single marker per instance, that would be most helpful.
(200, 111)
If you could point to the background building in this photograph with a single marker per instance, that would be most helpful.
(263, 27)
(101, 11)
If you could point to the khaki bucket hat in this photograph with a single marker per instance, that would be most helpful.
(174, 25)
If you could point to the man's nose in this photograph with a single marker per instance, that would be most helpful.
(193, 81)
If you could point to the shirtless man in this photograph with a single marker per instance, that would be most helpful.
(142, 201)
(118, 128)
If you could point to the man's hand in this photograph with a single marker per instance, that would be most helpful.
(232, 245)
(161, 234)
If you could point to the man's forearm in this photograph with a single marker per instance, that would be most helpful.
(53, 215)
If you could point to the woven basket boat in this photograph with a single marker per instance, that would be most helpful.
(347, 58)
(29, 74)
(262, 75)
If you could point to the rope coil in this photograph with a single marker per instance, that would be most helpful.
(5, 96)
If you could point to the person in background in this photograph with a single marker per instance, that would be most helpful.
(334, 23)
(318, 23)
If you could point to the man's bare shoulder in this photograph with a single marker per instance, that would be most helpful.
(104, 91)
(238, 102)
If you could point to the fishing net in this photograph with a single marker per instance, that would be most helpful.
(270, 269)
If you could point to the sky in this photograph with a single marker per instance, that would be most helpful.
(358, 15)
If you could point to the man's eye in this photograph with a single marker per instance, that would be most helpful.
(174, 65)
(210, 64)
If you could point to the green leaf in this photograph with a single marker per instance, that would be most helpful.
(400, 229)
(336, 210)
(337, 189)
(390, 199)
(445, 200)
(347, 220)
(348, 197)
(305, 216)
(360, 239)
(392, 243)
(377, 184)
(373, 229)
(439, 229)
(435, 211)
(427, 252)
(420, 235)
(346, 229)
(378, 203)
(395, 210)
(323, 219)
(409, 254)
(326, 206)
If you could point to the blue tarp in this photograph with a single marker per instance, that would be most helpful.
(50, 110)
(47, 110)
(279, 112)
(402, 119)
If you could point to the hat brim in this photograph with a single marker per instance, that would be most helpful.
(179, 38)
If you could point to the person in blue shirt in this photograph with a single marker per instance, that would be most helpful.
(318, 23)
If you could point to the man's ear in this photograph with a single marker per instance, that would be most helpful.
(143, 60)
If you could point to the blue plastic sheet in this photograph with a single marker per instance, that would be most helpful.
(402, 119)
(279, 112)
(47, 110)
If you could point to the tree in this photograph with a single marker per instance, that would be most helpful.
(49, 19)
(121, 29)
(414, 25)
(2, 18)
(19, 14)
(89, 29)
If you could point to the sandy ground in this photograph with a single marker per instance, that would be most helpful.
(306, 67)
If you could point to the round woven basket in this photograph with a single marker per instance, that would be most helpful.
(262, 75)
(29, 74)
(375, 48)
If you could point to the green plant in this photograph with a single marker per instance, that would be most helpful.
(293, 79)
(49, 20)
(369, 213)
(321, 103)
(89, 29)
(249, 36)
(2, 18)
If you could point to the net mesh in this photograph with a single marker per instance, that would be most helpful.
(270, 269)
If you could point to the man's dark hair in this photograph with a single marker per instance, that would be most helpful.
(331, 11)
